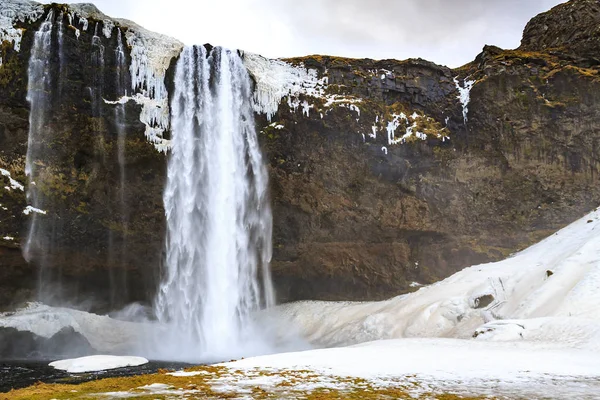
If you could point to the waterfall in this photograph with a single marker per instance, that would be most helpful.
(118, 277)
(61, 53)
(98, 62)
(39, 241)
(219, 219)
(121, 86)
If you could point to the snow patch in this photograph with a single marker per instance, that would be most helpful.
(276, 126)
(186, 373)
(392, 126)
(13, 183)
(97, 363)
(29, 209)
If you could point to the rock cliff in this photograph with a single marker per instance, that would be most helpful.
(384, 174)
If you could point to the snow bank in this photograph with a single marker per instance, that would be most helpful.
(105, 334)
(557, 279)
(527, 370)
(97, 363)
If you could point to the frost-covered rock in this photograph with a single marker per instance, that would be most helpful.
(15, 185)
(13, 11)
(276, 79)
(151, 54)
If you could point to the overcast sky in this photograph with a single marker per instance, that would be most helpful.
(450, 32)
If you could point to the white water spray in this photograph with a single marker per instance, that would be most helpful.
(218, 214)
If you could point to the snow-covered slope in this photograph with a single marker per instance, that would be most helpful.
(104, 334)
(550, 291)
(526, 327)
(424, 366)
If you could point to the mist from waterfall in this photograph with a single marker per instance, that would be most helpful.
(219, 220)
(39, 243)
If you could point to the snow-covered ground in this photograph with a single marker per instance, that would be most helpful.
(525, 327)
(97, 363)
(515, 370)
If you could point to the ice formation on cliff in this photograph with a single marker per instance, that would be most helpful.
(464, 95)
(151, 55)
(15, 11)
(276, 79)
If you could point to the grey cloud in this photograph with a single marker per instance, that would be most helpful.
(386, 27)
(450, 32)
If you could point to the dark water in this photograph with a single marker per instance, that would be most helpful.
(19, 374)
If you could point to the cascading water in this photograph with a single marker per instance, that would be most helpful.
(98, 62)
(218, 213)
(121, 86)
(39, 241)
(61, 54)
(118, 277)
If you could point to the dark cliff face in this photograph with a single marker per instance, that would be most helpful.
(352, 219)
(95, 243)
(569, 29)
(355, 217)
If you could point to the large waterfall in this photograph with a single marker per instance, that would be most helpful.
(219, 219)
